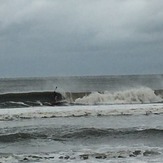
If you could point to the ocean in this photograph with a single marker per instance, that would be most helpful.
(115, 119)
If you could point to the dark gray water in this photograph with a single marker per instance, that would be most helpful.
(26, 92)
(121, 121)
(76, 139)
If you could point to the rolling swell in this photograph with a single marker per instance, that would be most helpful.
(132, 133)
(14, 137)
(12, 100)
(68, 134)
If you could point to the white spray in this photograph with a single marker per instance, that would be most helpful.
(140, 95)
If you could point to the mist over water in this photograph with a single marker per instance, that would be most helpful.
(81, 83)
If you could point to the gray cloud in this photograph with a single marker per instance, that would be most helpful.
(59, 37)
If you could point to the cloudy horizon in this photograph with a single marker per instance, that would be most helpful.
(59, 37)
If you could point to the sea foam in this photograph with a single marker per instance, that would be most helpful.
(140, 95)
(81, 110)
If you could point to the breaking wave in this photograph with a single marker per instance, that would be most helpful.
(80, 111)
(80, 156)
(35, 99)
(83, 134)
(140, 95)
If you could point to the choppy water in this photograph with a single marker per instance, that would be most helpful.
(103, 119)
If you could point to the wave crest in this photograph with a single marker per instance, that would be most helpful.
(141, 95)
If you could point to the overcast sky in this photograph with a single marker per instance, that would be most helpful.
(80, 37)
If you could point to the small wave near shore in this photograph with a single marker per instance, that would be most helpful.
(80, 111)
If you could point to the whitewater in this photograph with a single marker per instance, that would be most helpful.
(101, 119)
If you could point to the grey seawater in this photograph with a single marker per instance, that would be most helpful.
(82, 139)
(81, 83)
(122, 138)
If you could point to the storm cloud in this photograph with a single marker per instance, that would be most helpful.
(80, 37)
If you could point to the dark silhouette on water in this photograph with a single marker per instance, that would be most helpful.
(57, 98)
